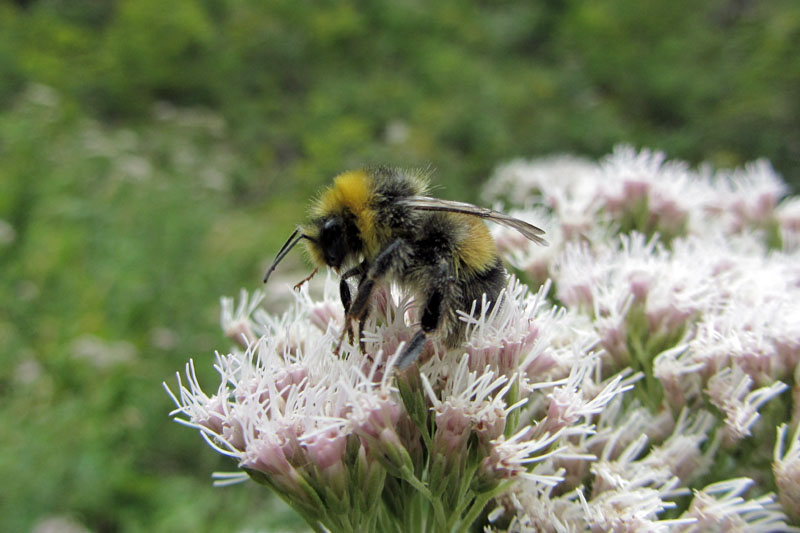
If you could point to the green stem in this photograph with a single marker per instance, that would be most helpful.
(479, 504)
(464, 496)
(436, 503)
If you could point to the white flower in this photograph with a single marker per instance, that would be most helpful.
(524, 333)
(721, 507)
(566, 184)
(629, 491)
(677, 372)
(729, 390)
(536, 508)
(747, 196)
(579, 398)
(786, 467)
(634, 284)
(667, 190)
(287, 403)
(509, 457)
(237, 323)
(788, 218)
(681, 453)
(631, 510)
(468, 400)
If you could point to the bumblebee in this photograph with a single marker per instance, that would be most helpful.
(379, 224)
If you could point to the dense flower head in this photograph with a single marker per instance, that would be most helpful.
(303, 420)
(658, 333)
(690, 279)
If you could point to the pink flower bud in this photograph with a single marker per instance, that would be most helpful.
(490, 425)
(640, 283)
(326, 449)
(241, 333)
(323, 313)
(577, 295)
(233, 434)
(634, 190)
(291, 375)
(266, 455)
(217, 415)
(378, 416)
(452, 430)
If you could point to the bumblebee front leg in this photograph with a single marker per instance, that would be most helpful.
(358, 308)
(305, 280)
(344, 288)
(344, 294)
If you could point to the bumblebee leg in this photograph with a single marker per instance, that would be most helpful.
(358, 270)
(347, 327)
(344, 287)
(358, 308)
(344, 294)
(411, 351)
(376, 271)
(360, 329)
(431, 317)
(305, 280)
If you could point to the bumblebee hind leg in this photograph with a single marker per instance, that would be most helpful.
(431, 318)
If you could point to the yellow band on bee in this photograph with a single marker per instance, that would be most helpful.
(352, 191)
(477, 250)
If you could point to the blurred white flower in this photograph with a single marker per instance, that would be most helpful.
(787, 215)
(730, 391)
(747, 197)
(786, 467)
(101, 353)
(559, 182)
(721, 507)
(7, 233)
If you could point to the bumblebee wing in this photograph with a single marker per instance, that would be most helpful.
(427, 203)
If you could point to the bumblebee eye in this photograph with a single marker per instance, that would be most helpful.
(332, 225)
(332, 241)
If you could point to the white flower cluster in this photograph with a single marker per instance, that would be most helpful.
(640, 388)
(628, 191)
(691, 278)
(343, 439)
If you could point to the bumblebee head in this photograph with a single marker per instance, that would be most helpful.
(341, 220)
(331, 240)
(326, 241)
(331, 243)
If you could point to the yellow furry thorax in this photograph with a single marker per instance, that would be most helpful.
(352, 192)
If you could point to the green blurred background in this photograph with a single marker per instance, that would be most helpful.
(155, 154)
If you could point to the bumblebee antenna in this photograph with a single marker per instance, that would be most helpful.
(293, 239)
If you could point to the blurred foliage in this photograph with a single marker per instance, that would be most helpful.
(153, 157)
